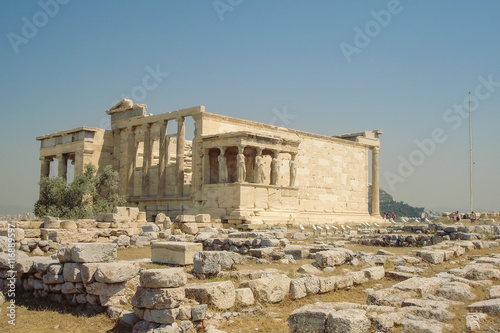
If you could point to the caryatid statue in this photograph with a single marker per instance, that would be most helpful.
(242, 169)
(275, 168)
(222, 166)
(259, 166)
(293, 170)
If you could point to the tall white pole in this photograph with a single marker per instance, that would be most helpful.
(470, 151)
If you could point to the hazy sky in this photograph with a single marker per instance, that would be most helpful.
(325, 67)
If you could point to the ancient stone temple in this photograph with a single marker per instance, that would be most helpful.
(236, 170)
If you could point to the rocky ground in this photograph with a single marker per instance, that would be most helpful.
(288, 280)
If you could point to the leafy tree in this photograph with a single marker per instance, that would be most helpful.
(89, 194)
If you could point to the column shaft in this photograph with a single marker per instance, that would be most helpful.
(146, 159)
(375, 182)
(131, 155)
(62, 168)
(181, 141)
(162, 163)
(45, 167)
(116, 149)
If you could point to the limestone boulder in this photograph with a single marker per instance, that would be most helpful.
(163, 278)
(374, 273)
(494, 291)
(50, 222)
(202, 218)
(419, 324)
(456, 291)
(310, 318)
(150, 227)
(140, 241)
(106, 289)
(72, 272)
(158, 298)
(477, 271)
(308, 269)
(433, 257)
(272, 289)
(212, 262)
(176, 253)
(330, 258)
(4, 244)
(348, 321)
(161, 316)
(421, 285)
(93, 252)
(122, 241)
(389, 297)
(189, 228)
(488, 306)
(116, 272)
(218, 294)
(244, 297)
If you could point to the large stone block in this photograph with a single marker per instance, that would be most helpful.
(330, 258)
(219, 294)
(175, 253)
(189, 228)
(310, 318)
(185, 218)
(88, 272)
(150, 227)
(106, 289)
(212, 262)
(202, 218)
(158, 298)
(50, 222)
(116, 272)
(93, 252)
(163, 278)
(272, 289)
(488, 306)
(163, 316)
(244, 297)
(348, 321)
(72, 272)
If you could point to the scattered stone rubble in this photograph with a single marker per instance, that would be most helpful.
(180, 299)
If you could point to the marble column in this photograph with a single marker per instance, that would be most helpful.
(375, 182)
(222, 166)
(179, 163)
(275, 168)
(116, 149)
(45, 167)
(146, 159)
(62, 168)
(163, 159)
(131, 156)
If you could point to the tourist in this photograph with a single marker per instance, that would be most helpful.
(472, 217)
(393, 216)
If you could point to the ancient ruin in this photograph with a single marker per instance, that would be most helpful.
(238, 171)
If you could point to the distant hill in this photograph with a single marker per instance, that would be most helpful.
(388, 204)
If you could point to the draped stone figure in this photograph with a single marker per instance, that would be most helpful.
(293, 171)
(242, 169)
(259, 163)
(222, 167)
(275, 170)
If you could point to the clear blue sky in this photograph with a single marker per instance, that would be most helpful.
(298, 64)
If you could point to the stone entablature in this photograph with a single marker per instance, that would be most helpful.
(80, 146)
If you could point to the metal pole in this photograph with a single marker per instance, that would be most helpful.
(470, 151)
